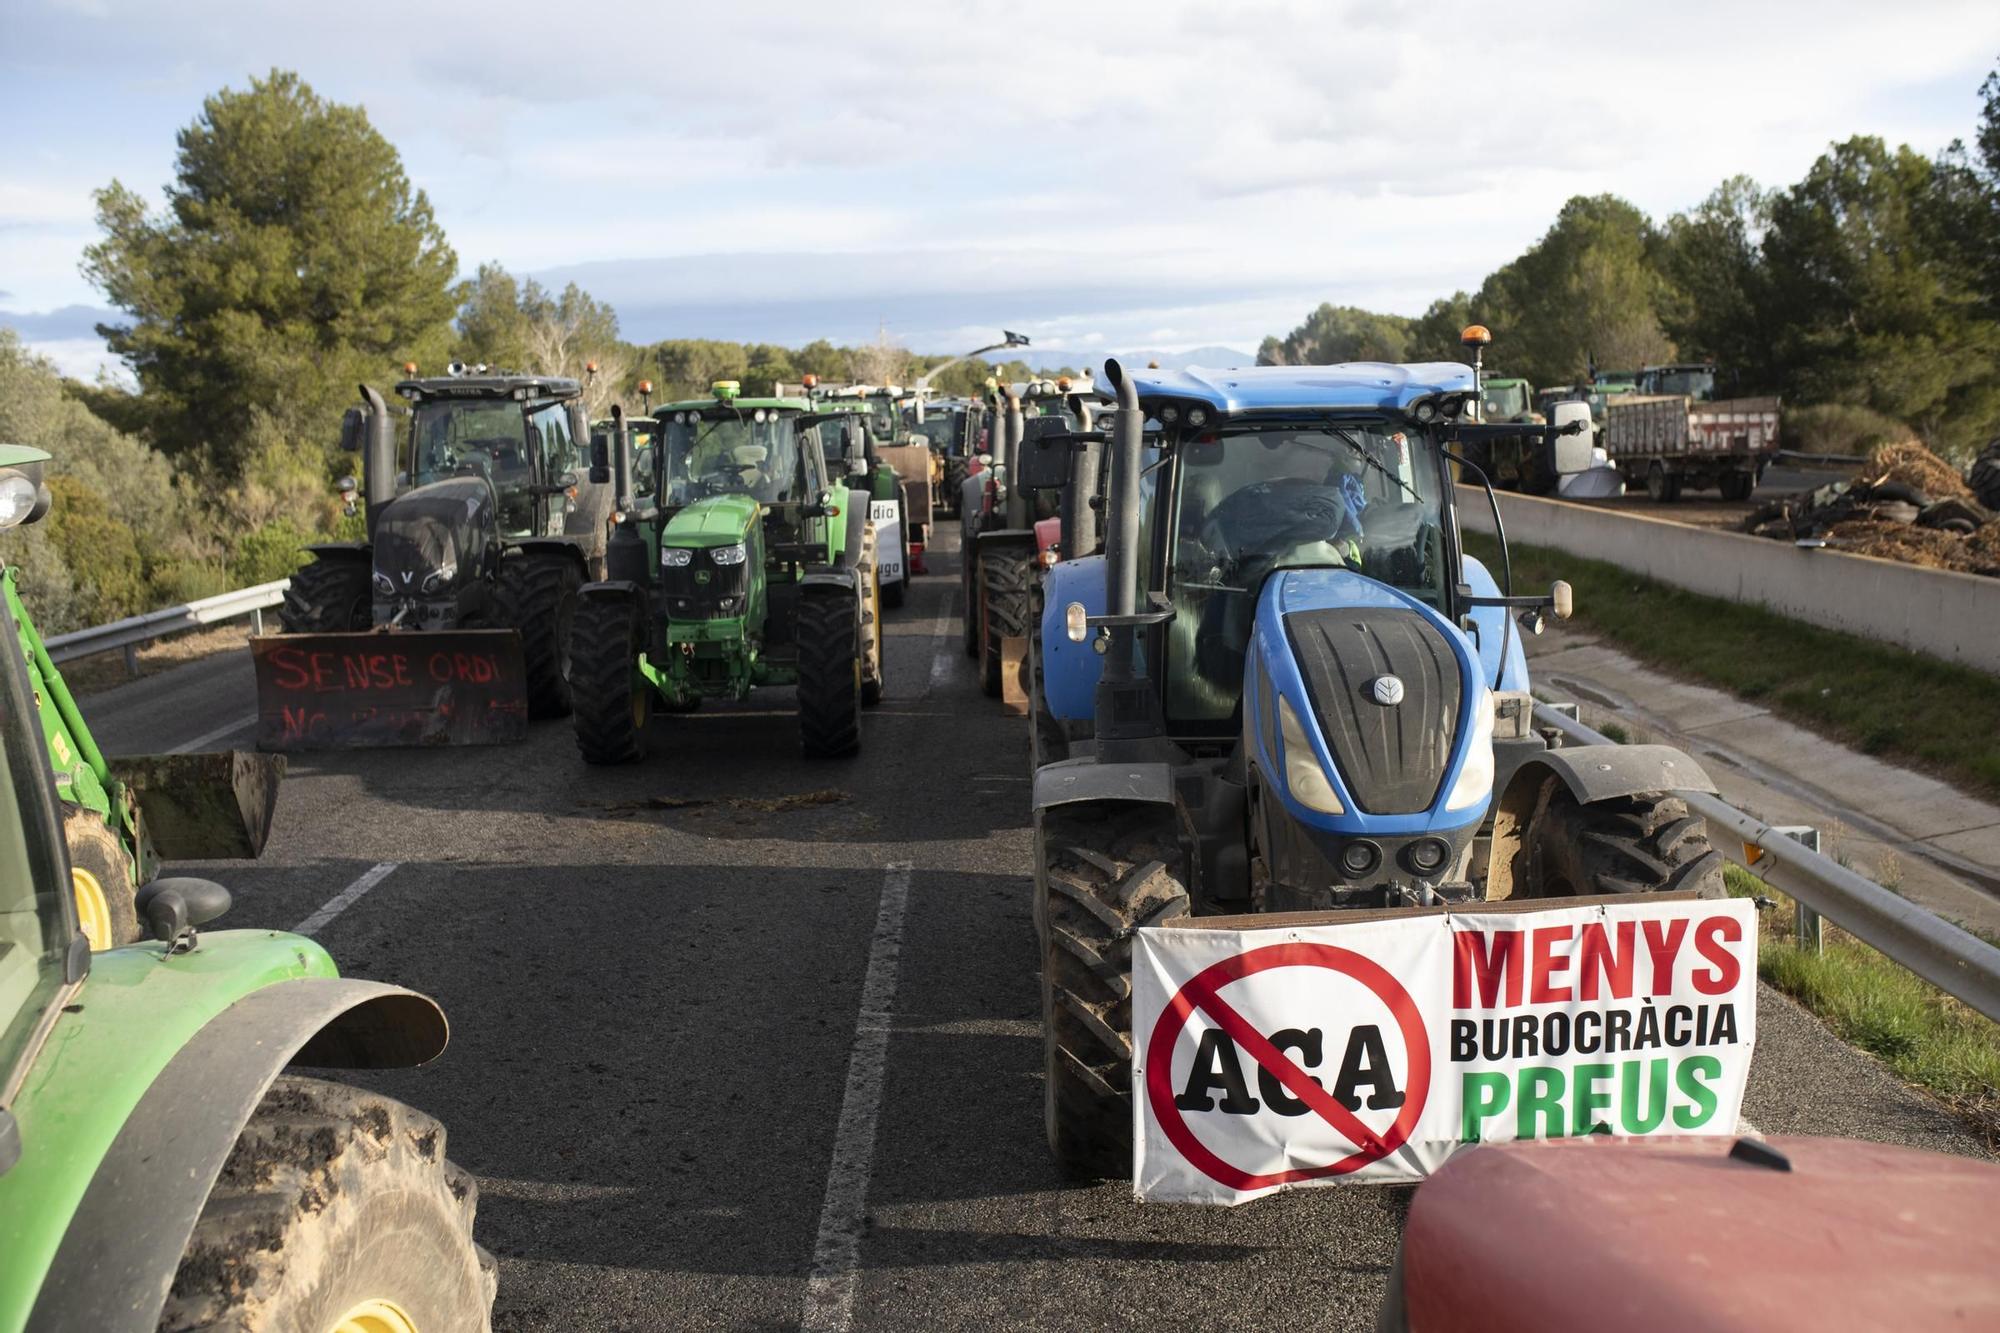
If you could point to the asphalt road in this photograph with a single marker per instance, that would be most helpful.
(659, 978)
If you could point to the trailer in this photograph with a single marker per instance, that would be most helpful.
(1667, 442)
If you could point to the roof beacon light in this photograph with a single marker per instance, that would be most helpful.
(409, 367)
(645, 386)
(811, 380)
(1475, 335)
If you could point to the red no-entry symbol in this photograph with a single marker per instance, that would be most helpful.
(1203, 993)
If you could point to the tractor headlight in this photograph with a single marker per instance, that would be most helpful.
(675, 557)
(1303, 775)
(18, 497)
(383, 584)
(729, 555)
(1475, 780)
(441, 577)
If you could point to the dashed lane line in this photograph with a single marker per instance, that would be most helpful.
(829, 1304)
(346, 898)
(208, 738)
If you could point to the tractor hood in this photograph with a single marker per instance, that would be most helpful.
(718, 520)
(429, 539)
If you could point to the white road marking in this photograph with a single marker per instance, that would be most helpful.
(346, 898)
(208, 738)
(944, 659)
(829, 1306)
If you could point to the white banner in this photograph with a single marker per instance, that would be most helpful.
(1281, 1058)
(886, 515)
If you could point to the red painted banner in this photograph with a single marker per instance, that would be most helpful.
(340, 691)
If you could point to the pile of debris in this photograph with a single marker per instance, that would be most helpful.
(1907, 504)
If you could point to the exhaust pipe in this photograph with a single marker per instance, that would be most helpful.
(1121, 528)
(625, 554)
(1017, 499)
(378, 458)
(621, 459)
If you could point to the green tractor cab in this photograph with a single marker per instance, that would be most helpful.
(853, 443)
(162, 1165)
(750, 566)
(121, 817)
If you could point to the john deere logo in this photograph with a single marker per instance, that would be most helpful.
(1386, 690)
(703, 576)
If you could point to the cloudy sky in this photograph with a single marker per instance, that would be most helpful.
(1098, 175)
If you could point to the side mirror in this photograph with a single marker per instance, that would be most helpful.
(175, 906)
(353, 430)
(1571, 421)
(600, 458)
(567, 481)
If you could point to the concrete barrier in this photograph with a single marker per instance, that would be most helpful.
(1934, 611)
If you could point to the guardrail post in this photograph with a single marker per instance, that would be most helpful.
(1805, 922)
(132, 659)
(256, 621)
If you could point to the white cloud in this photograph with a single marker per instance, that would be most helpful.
(1232, 163)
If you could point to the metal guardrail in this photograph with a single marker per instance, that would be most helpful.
(1954, 960)
(133, 631)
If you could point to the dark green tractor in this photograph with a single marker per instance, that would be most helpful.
(751, 565)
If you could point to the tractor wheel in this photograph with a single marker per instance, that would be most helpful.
(609, 699)
(829, 677)
(328, 597)
(101, 871)
(538, 596)
(874, 670)
(337, 1209)
(1737, 486)
(1003, 575)
(1102, 872)
(1647, 843)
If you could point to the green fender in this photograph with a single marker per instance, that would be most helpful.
(116, 1044)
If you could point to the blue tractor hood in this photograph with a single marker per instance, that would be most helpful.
(1354, 386)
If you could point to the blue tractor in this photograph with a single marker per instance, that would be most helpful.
(1297, 692)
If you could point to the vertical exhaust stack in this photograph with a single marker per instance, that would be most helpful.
(1128, 710)
(1016, 429)
(625, 558)
(378, 457)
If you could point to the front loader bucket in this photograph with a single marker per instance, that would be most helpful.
(347, 691)
(204, 807)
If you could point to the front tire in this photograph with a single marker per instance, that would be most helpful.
(101, 874)
(335, 1203)
(538, 597)
(1647, 843)
(1101, 873)
(829, 676)
(328, 597)
(1003, 579)
(610, 701)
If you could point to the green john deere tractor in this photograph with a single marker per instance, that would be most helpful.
(162, 1163)
(195, 807)
(751, 566)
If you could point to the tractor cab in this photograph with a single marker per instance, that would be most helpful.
(1503, 399)
(520, 435)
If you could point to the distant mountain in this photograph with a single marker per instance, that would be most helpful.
(70, 321)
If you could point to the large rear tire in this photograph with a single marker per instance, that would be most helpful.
(1101, 872)
(328, 597)
(538, 597)
(829, 676)
(335, 1204)
(1003, 577)
(101, 875)
(1647, 843)
(1737, 486)
(610, 702)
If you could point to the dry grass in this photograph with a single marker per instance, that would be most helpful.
(102, 671)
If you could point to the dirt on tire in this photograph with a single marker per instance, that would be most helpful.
(1647, 843)
(95, 849)
(1101, 873)
(334, 1196)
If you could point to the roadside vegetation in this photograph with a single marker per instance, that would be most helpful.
(1878, 699)
(1926, 1037)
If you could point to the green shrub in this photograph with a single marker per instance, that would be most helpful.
(1839, 428)
(272, 551)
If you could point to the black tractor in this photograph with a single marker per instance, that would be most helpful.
(480, 515)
